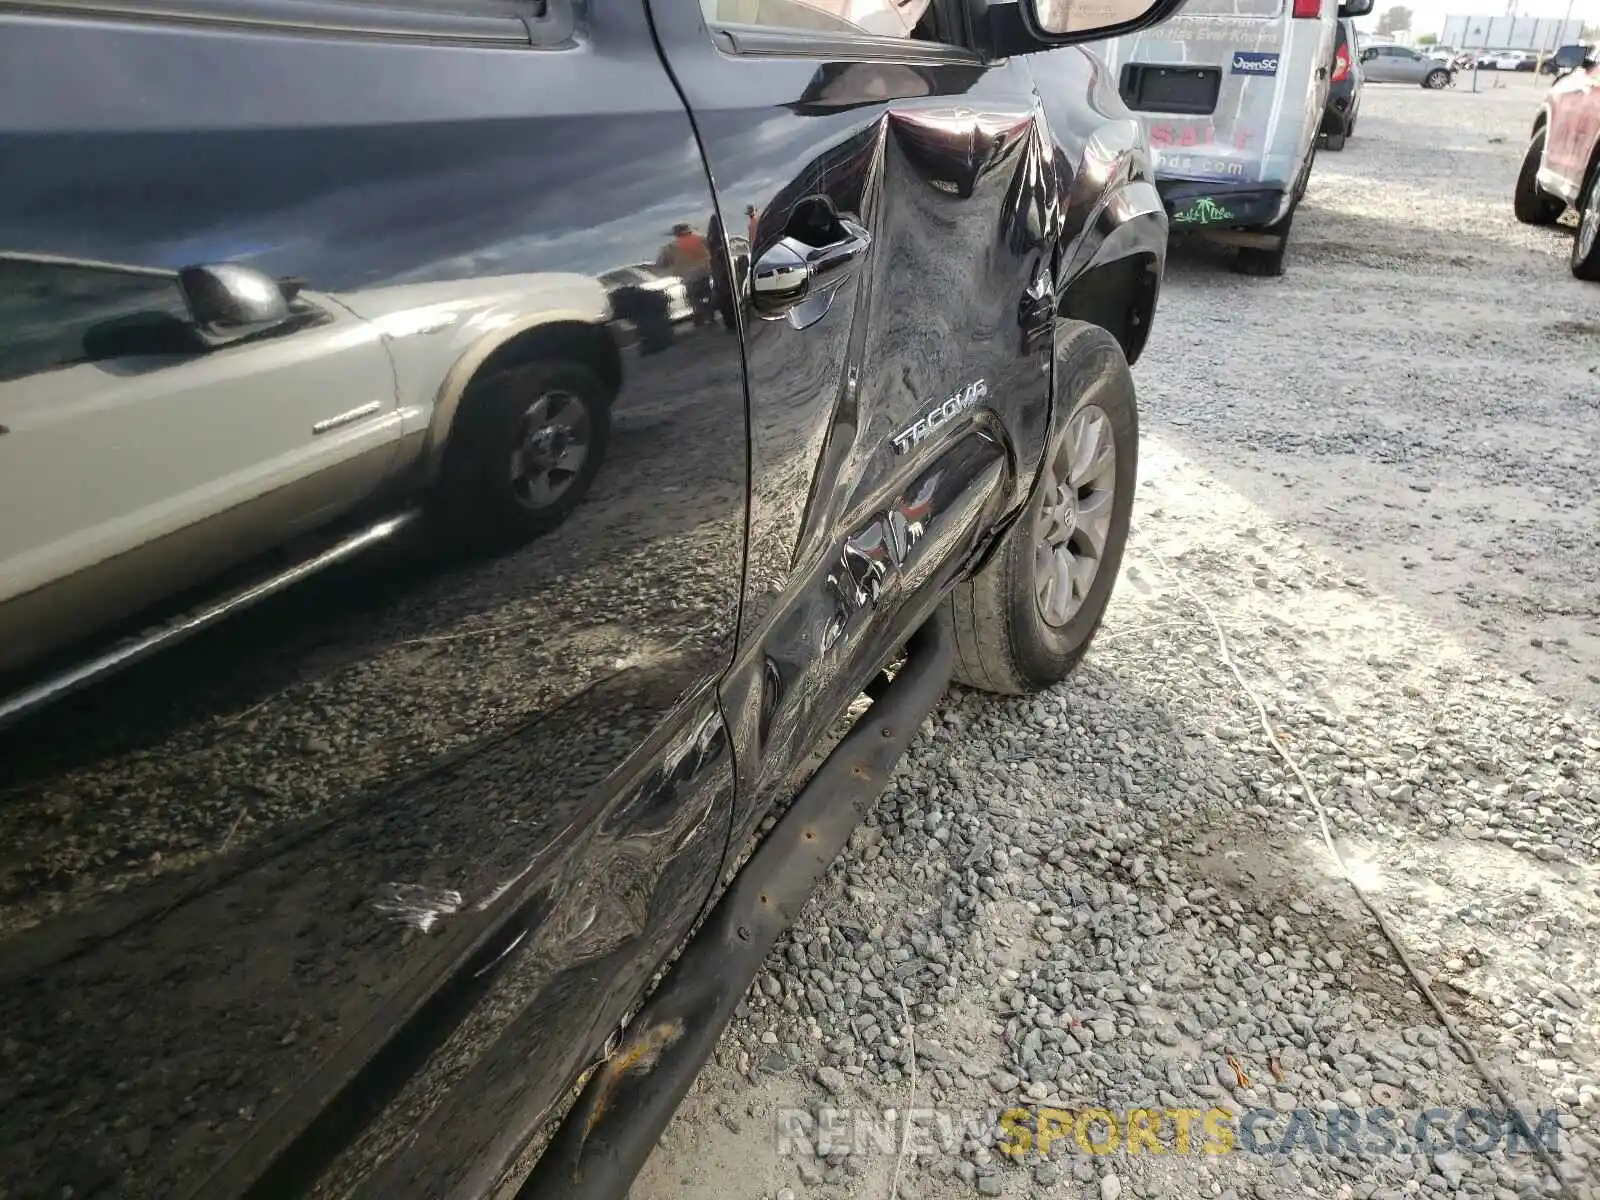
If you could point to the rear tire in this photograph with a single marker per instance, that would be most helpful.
(1047, 562)
(1266, 263)
(1531, 203)
(1335, 141)
(1586, 242)
(524, 449)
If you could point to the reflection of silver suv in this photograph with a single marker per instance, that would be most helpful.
(158, 427)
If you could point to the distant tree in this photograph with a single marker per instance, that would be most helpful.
(1395, 20)
(1427, 39)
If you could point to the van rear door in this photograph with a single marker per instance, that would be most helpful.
(1231, 95)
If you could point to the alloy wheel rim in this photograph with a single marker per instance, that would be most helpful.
(1073, 526)
(552, 445)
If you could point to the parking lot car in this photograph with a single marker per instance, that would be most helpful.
(1344, 89)
(352, 886)
(214, 412)
(1402, 64)
(1562, 60)
(1562, 163)
(1234, 95)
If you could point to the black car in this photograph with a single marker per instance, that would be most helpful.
(1559, 63)
(1344, 89)
(341, 856)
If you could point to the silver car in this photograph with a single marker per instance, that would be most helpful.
(1402, 64)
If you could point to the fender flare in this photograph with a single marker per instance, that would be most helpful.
(470, 362)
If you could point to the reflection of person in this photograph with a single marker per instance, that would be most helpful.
(721, 284)
(754, 219)
(689, 258)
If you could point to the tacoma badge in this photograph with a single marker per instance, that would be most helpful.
(974, 393)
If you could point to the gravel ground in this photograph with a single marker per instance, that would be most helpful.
(1377, 473)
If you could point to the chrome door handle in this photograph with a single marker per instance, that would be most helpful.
(791, 271)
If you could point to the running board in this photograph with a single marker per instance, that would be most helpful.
(629, 1100)
(142, 645)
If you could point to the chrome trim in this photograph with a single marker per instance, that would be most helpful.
(57, 260)
(349, 417)
(142, 645)
(841, 45)
(959, 401)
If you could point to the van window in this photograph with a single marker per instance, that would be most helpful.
(1231, 8)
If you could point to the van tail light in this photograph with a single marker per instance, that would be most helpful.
(1341, 64)
(1311, 9)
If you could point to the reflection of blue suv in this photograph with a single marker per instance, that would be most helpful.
(438, 872)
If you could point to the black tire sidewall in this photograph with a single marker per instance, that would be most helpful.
(1044, 654)
(475, 494)
(1529, 202)
(1587, 268)
(1265, 263)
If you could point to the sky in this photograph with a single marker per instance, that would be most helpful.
(1428, 15)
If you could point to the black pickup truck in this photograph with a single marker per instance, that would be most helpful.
(356, 865)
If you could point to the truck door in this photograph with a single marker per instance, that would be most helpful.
(889, 185)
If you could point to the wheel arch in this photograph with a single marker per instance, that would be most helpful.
(549, 335)
(1118, 295)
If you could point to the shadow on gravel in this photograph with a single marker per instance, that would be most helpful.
(1118, 855)
(1415, 403)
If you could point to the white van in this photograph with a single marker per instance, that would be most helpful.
(1231, 93)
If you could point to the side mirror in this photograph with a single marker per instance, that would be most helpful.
(228, 302)
(1356, 8)
(1031, 26)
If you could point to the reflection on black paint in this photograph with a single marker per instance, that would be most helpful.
(295, 905)
(222, 829)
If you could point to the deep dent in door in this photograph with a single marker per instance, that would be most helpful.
(929, 432)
